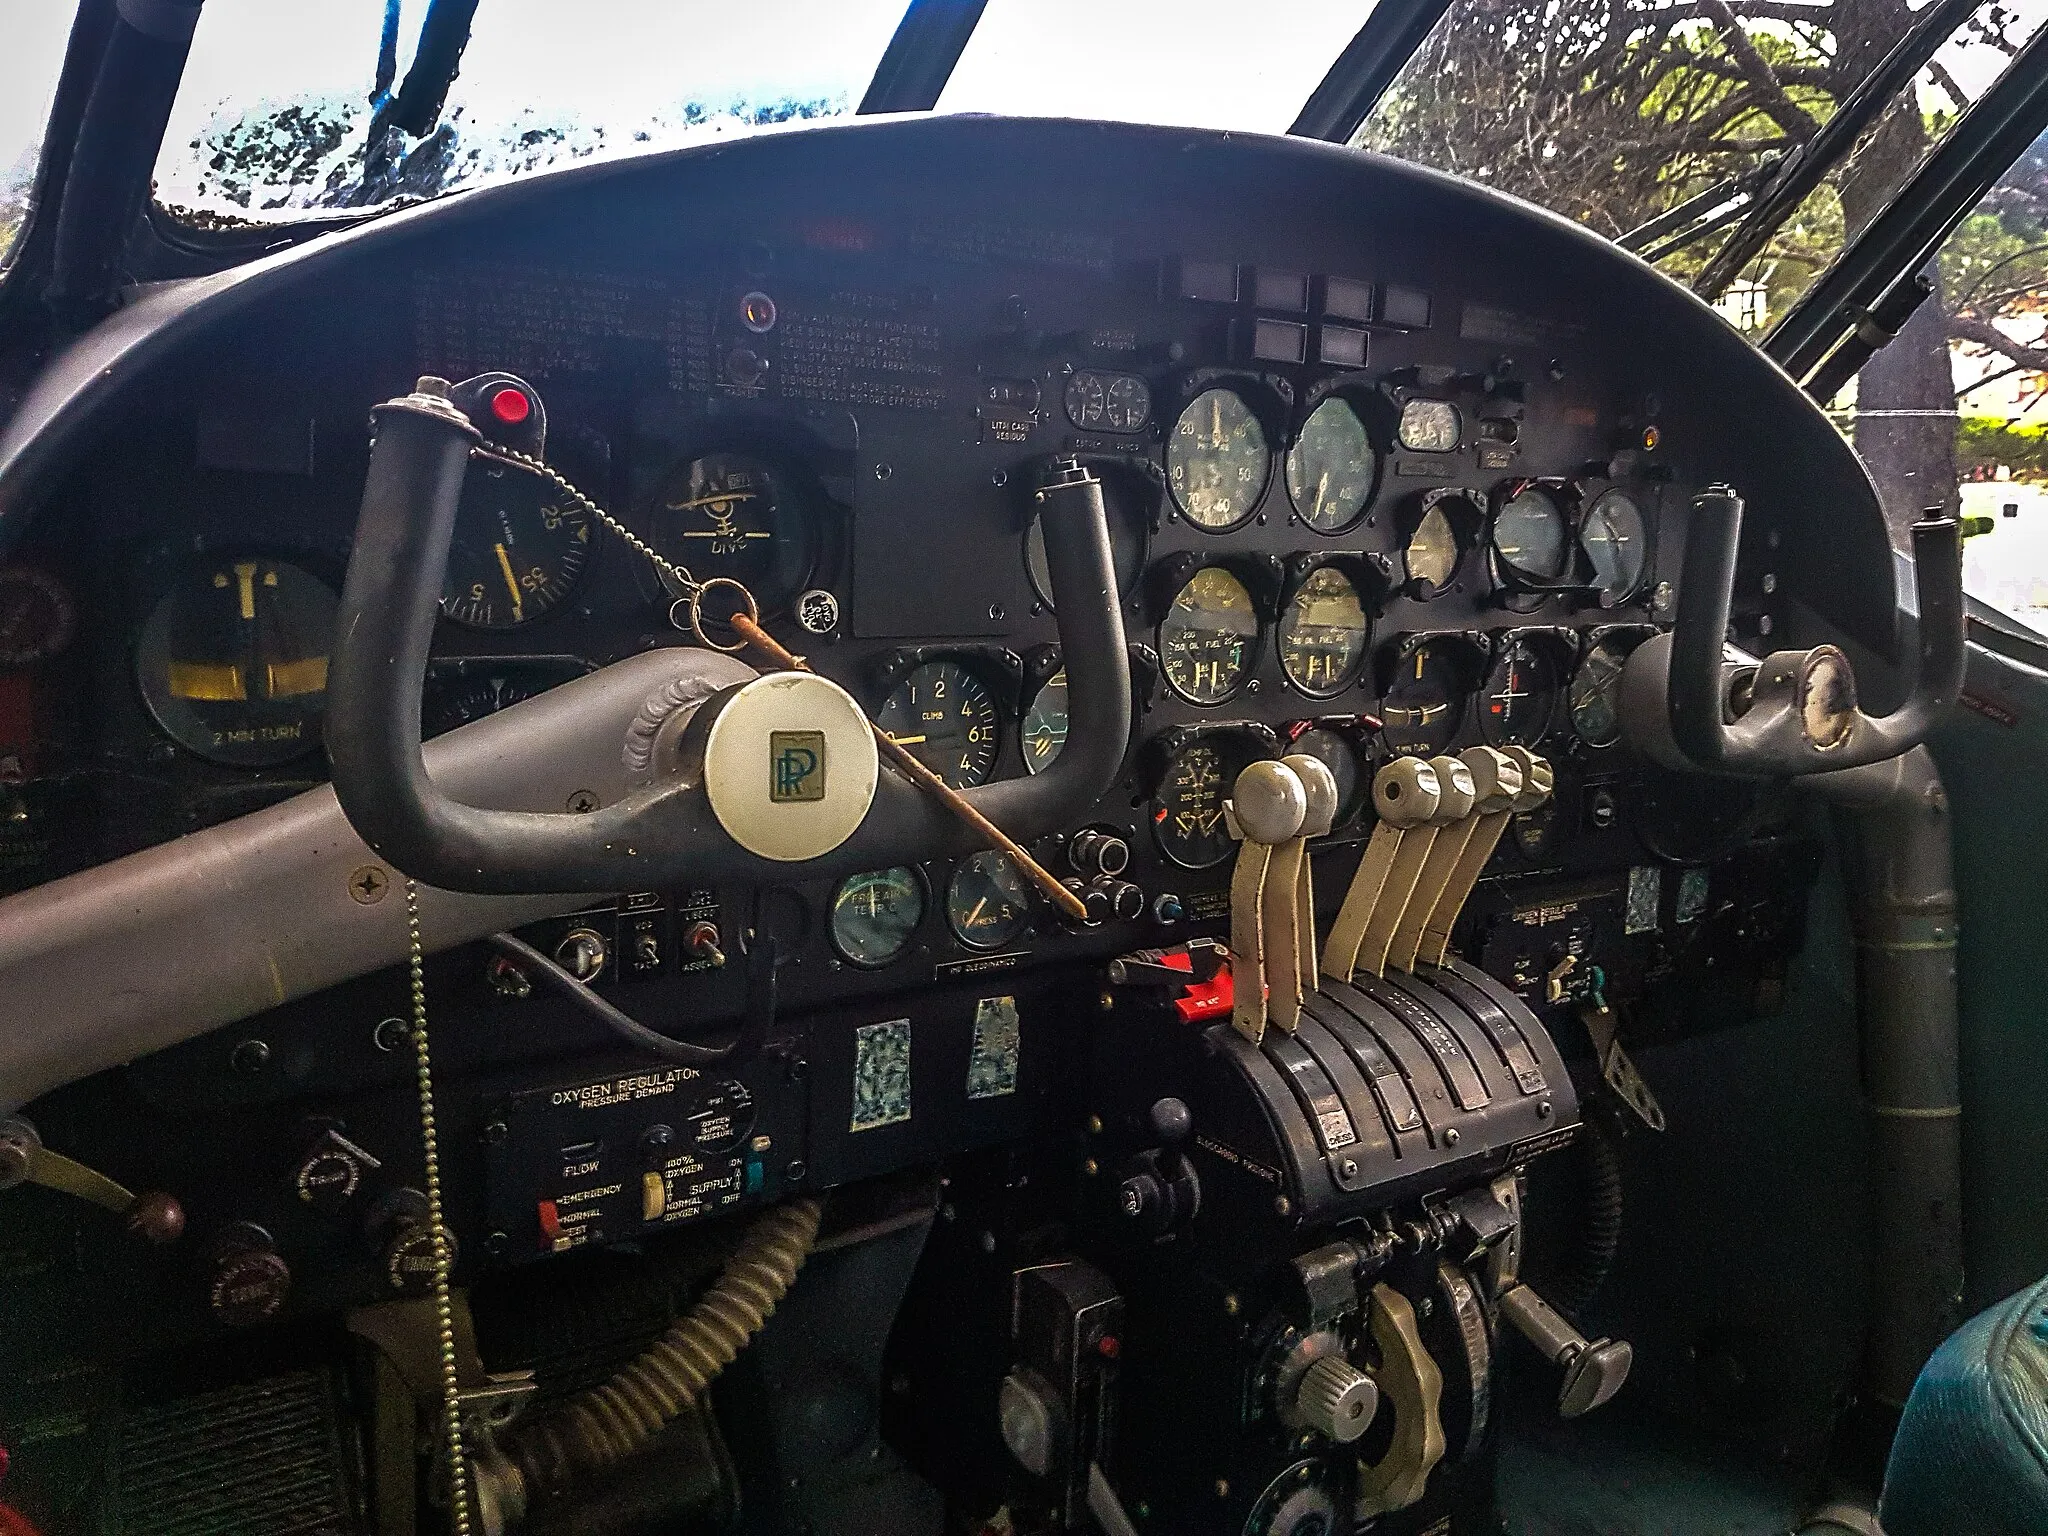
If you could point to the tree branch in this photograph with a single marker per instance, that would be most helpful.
(2031, 357)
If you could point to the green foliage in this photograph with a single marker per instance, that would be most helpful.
(1985, 444)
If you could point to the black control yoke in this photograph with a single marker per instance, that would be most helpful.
(1801, 714)
(666, 832)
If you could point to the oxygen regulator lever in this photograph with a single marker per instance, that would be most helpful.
(155, 1217)
(1798, 713)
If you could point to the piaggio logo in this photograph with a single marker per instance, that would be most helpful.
(796, 766)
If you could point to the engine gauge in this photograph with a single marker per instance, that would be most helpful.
(1331, 466)
(1334, 750)
(1107, 402)
(947, 718)
(988, 902)
(1595, 688)
(875, 916)
(232, 662)
(739, 517)
(1045, 724)
(1187, 812)
(1429, 426)
(37, 616)
(1617, 545)
(1207, 636)
(1323, 633)
(1518, 701)
(1436, 546)
(519, 549)
(1217, 461)
(1531, 537)
(1425, 700)
(1127, 537)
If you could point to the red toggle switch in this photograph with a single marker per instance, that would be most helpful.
(510, 405)
(550, 1223)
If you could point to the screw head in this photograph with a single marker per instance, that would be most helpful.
(392, 1034)
(250, 1057)
(368, 884)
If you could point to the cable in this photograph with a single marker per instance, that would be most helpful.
(1600, 1224)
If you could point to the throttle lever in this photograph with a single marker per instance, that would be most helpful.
(1800, 714)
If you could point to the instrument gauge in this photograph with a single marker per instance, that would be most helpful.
(1425, 700)
(1617, 545)
(1437, 546)
(1217, 461)
(1331, 466)
(461, 689)
(1323, 633)
(1429, 426)
(1127, 537)
(735, 516)
(519, 549)
(947, 718)
(1107, 402)
(988, 902)
(1045, 724)
(1187, 812)
(1518, 701)
(1531, 537)
(1595, 689)
(875, 916)
(1207, 637)
(1333, 749)
(232, 661)
(37, 616)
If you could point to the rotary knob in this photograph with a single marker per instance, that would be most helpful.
(1337, 1399)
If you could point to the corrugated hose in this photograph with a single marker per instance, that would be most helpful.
(603, 1424)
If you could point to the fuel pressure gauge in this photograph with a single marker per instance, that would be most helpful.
(1207, 638)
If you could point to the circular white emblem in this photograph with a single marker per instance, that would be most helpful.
(817, 611)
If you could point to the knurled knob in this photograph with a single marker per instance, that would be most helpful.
(1337, 1399)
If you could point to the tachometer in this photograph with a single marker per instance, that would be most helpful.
(1187, 813)
(875, 916)
(1206, 638)
(519, 549)
(232, 661)
(1217, 460)
(1617, 545)
(1530, 535)
(1425, 700)
(1330, 468)
(988, 902)
(736, 516)
(1323, 633)
(1045, 724)
(1518, 702)
(947, 718)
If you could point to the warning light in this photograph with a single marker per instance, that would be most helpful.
(510, 405)
(1651, 438)
(757, 312)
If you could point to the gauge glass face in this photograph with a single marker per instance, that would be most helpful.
(37, 616)
(947, 718)
(735, 516)
(1424, 703)
(1187, 813)
(519, 549)
(1045, 724)
(1323, 633)
(1217, 460)
(1206, 638)
(875, 916)
(1519, 700)
(1429, 426)
(1330, 467)
(1107, 402)
(1335, 752)
(465, 688)
(1433, 552)
(1595, 689)
(1126, 548)
(1529, 534)
(1617, 545)
(988, 902)
(233, 661)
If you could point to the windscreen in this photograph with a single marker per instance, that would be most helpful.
(277, 115)
(29, 62)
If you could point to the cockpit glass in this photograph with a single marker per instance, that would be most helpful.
(1659, 125)
(1191, 63)
(274, 115)
(28, 79)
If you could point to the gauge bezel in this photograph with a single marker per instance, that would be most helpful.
(1589, 641)
(1408, 398)
(1266, 408)
(1258, 586)
(1238, 742)
(1111, 376)
(910, 938)
(1514, 578)
(1025, 915)
(1131, 501)
(1368, 405)
(1559, 648)
(1030, 703)
(1590, 498)
(549, 495)
(1468, 528)
(1363, 579)
(997, 669)
(63, 603)
(1360, 735)
(1469, 654)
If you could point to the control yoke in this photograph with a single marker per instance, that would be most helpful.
(1798, 712)
(713, 807)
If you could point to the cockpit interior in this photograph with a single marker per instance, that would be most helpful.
(974, 823)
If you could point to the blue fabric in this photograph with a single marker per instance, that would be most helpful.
(1971, 1458)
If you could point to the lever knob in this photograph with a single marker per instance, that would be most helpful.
(1337, 1399)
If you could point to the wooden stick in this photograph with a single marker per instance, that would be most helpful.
(929, 782)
